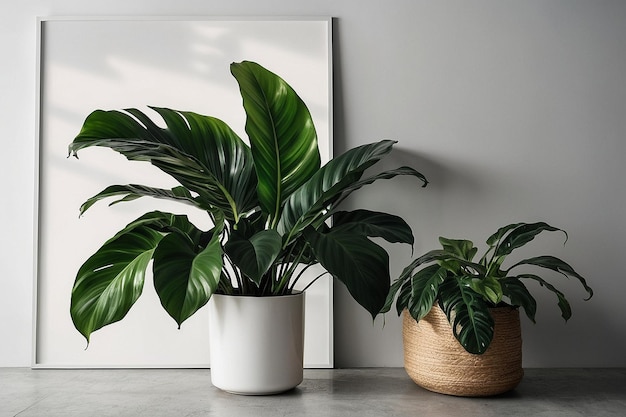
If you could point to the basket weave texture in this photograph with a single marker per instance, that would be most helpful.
(435, 360)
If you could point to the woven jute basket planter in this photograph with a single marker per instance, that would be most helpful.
(435, 360)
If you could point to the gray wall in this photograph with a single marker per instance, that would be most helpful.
(515, 110)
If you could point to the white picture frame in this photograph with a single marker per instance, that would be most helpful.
(88, 63)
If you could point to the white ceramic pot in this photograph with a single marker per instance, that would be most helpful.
(256, 343)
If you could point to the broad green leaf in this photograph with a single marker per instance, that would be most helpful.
(333, 181)
(374, 224)
(167, 222)
(133, 191)
(424, 290)
(254, 256)
(519, 295)
(564, 306)
(185, 278)
(281, 132)
(403, 283)
(557, 265)
(200, 152)
(359, 263)
(217, 147)
(469, 316)
(110, 281)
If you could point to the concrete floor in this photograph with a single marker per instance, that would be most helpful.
(379, 392)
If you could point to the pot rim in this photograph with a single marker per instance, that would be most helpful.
(293, 294)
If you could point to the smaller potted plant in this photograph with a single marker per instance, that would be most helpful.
(461, 329)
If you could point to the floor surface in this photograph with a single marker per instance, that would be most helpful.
(379, 392)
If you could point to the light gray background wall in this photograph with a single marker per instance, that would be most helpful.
(515, 110)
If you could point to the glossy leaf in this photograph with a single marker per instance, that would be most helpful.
(335, 180)
(374, 224)
(520, 236)
(557, 265)
(468, 314)
(424, 290)
(519, 295)
(185, 278)
(564, 305)
(396, 286)
(132, 192)
(110, 281)
(281, 133)
(360, 264)
(201, 152)
(254, 256)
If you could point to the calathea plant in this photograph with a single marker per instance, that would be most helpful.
(465, 289)
(269, 203)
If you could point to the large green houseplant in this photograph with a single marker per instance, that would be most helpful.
(270, 203)
(469, 292)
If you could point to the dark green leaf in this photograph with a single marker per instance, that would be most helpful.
(309, 201)
(521, 235)
(360, 264)
(424, 290)
(557, 265)
(281, 133)
(495, 238)
(519, 295)
(391, 295)
(133, 191)
(200, 152)
(110, 281)
(374, 224)
(184, 277)
(467, 313)
(564, 306)
(255, 255)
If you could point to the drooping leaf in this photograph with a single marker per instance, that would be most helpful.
(521, 235)
(499, 234)
(281, 133)
(217, 147)
(424, 290)
(165, 223)
(360, 264)
(111, 280)
(255, 255)
(564, 305)
(384, 175)
(202, 153)
(185, 278)
(391, 295)
(555, 264)
(374, 224)
(335, 180)
(134, 191)
(404, 297)
(468, 314)
(519, 295)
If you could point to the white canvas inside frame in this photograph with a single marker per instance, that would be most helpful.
(181, 63)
